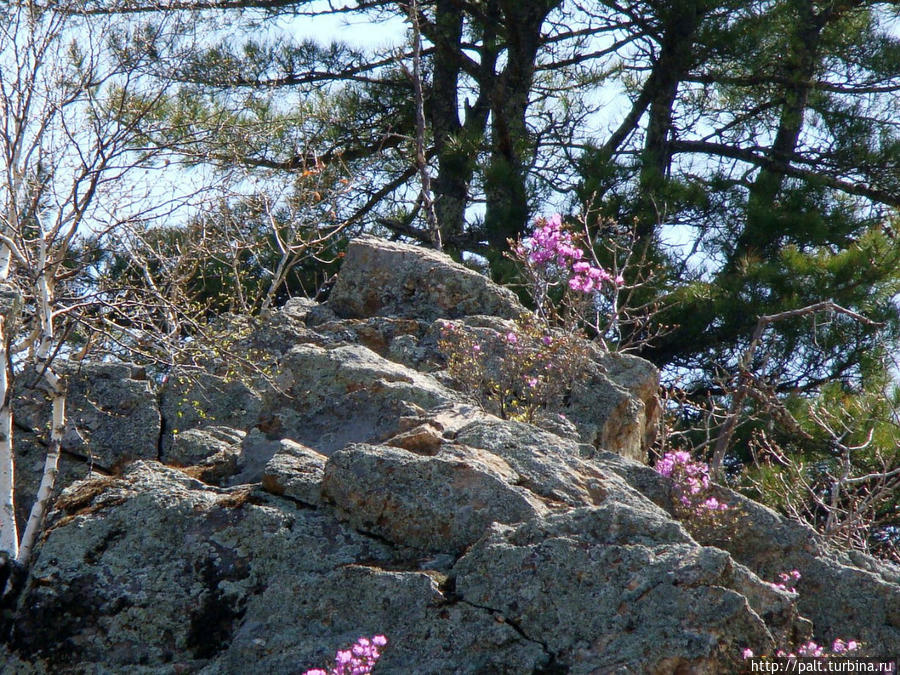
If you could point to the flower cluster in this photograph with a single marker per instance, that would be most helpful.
(786, 578)
(693, 498)
(358, 660)
(808, 649)
(812, 650)
(692, 480)
(587, 278)
(551, 245)
(840, 647)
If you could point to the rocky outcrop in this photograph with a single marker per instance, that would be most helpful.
(844, 594)
(347, 487)
(380, 278)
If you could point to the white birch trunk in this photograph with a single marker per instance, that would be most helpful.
(58, 419)
(48, 478)
(9, 533)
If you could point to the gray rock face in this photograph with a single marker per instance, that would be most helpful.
(351, 490)
(295, 471)
(600, 587)
(211, 453)
(196, 446)
(164, 566)
(112, 413)
(845, 595)
(112, 419)
(380, 278)
(329, 397)
(437, 504)
(617, 407)
(191, 400)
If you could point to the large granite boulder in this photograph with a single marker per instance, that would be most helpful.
(381, 278)
(440, 503)
(348, 486)
(327, 397)
(616, 589)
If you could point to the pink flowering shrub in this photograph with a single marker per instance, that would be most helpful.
(550, 244)
(694, 502)
(698, 510)
(809, 649)
(517, 374)
(358, 660)
(537, 365)
(563, 275)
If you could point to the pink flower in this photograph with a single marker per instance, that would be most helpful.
(787, 581)
(547, 340)
(619, 280)
(853, 645)
(531, 382)
(747, 653)
(550, 243)
(512, 338)
(580, 284)
(691, 481)
(358, 660)
(476, 348)
(714, 504)
(810, 649)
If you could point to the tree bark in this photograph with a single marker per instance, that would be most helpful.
(43, 358)
(505, 180)
(676, 56)
(9, 534)
(762, 232)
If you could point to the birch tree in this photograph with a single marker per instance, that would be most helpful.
(71, 97)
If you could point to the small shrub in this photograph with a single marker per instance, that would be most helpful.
(516, 374)
(536, 366)
(694, 499)
(358, 660)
